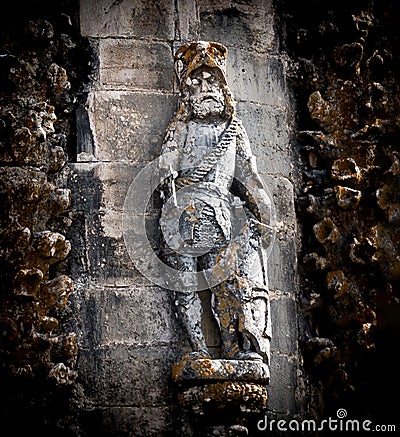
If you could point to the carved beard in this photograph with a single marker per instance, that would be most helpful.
(208, 105)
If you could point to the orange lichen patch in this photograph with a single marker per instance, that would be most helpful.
(190, 209)
(337, 283)
(347, 198)
(193, 55)
(47, 324)
(345, 169)
(204, 368)
(388, 199)
(319, 108)
(236, 391)
(226, 261)
(177, 370)
(353, 99)
(329, 111)
(387, 254)
(56, 291)
(27, 282)
(326, 231)
(326, 354)
(58, 78)
(33, 154)
(363, 248)
(224, 320)
(52, 246)
(320, 262)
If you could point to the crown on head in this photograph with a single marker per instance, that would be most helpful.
(193, 55)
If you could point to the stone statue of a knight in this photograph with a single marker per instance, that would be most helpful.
(216, 214)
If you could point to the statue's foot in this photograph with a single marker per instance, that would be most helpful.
(247, 355)
(203, 353)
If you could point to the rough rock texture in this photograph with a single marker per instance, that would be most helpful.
(345, 81)
(39, 85)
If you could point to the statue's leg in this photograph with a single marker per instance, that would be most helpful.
(189, 311)
(231, 299)
(226, 307)
(188, 305)
(230, 309)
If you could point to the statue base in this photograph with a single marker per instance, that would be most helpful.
(220, 395)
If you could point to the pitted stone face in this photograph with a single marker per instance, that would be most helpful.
(206, 97)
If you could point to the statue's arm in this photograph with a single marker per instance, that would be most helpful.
(249, 186)
(169, 159)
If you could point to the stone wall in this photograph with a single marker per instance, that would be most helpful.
(128, 335)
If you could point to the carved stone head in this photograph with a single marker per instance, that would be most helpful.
(201, 70)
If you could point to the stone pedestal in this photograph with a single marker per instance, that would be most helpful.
(219, 395)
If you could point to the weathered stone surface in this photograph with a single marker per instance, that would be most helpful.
(38, 351)
(211, 142)
(103, 186)
(347, 198)
(282, 264)
(124, 125)
(283, 384)
(344, 80)
(130, 64)
(268, 134)
(206, 386)
(282, 193)
(133, 18)
(127, 373)
(107, 255)
(140, 421)
(127, 332)
(187, 20)
(282, 259)
(283, 307)
(256, 78)
(125, 314)
(28, 134)
(128, 126)
(252, 24)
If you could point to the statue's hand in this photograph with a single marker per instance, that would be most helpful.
(266, 233)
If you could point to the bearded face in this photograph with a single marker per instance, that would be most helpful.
(206, 97)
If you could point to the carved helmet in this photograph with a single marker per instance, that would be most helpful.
(193, 55)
